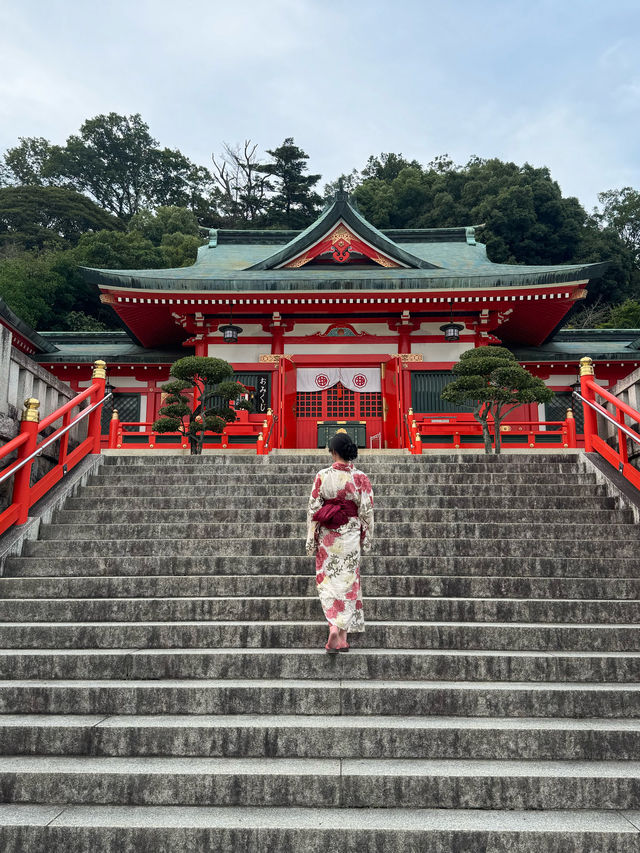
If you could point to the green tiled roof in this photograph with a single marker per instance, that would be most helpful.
(572, 344)
(436, 257)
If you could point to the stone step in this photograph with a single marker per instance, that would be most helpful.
(132, 829)
(297, 609)
(303, 635)
(77, 829)
(530, 567)
(324, 697)
(348, 783)
(527, 566)
(272, 515)
(210, 491)
(626, 548)
(406, 530)
(406, 466)
(428, 501)
(288, 736)
(322, 456)
(383, 664)
(187, 586)
(379, 481)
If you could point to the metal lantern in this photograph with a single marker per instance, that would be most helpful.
(230, 332)
(451, 330)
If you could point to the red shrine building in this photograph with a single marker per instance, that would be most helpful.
(341, 324)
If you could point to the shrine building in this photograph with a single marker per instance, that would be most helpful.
(340, 324)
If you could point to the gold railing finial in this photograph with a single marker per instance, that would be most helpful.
(31, 410)
(115, 416)
(569, 413)
(99, 369)
(586, 366)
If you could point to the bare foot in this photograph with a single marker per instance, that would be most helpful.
(333, 641)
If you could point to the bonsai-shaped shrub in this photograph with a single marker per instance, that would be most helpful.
(493, 383)
(195, 413)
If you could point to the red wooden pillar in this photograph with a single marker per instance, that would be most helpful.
(587, 376)
(22, 481)
(391, 403)
(570, 426)
(114, 426)
(99, 377)
(287, 416)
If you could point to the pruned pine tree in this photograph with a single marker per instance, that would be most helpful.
(493, 383)
(187, 409)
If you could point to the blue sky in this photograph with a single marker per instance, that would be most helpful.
(551, 82)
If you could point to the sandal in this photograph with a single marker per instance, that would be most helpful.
(330, 650)
(344, 648)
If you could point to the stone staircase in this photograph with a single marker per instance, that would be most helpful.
(163, 684)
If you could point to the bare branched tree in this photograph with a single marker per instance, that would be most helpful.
(243, 188)
(590, 316)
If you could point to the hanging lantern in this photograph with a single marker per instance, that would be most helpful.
(230, 332)
(451, 330)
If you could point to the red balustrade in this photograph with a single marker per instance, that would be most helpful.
(26, 444)
(617, 456)
(445, 431)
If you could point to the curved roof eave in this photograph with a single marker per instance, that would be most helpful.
(341, 210)
(296, 280)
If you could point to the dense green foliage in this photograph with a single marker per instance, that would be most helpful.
(195, 412)
(111, 197)
(493, 383)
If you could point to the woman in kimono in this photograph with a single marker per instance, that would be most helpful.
(340, 528)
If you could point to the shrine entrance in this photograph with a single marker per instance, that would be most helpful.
(321, 413)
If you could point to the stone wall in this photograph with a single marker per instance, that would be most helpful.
(20, 378)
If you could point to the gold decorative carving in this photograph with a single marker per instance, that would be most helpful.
(99, 369)
(107, 299)
(408, 356)
(272, 358)
(298, 262)
(586, 366)
(31, 410)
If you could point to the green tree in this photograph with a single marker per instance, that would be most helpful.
(197, 399)
(115, 160)
(116, 250)
(493, 383)
(624, 316)
(27, 163)
(295, 203)
(41, 217)
(621, 211)
(154, 224)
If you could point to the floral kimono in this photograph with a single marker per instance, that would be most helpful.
(338, 551)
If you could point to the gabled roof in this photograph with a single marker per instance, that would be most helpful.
(341, 212)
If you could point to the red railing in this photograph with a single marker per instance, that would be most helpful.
(618, 457)
(448, 431)
(241, 434)
(26, 445)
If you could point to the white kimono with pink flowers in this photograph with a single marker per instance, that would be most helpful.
(338, 551)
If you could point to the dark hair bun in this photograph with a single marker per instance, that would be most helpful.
(342, 444)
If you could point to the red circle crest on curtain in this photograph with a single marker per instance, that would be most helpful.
(360, 380)
(322, 380)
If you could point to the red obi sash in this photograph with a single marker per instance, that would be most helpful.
(335, 512)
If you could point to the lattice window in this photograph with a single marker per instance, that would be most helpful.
(340, 402)
(370, 405)
(128, 406)
(309, 404)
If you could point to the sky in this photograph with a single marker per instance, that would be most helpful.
(548, 82)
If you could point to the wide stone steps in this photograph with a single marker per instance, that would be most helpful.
(163, 683)
(528, 566)
(190, 586)
(130, 829)
(278, 609)
(408, 665)
(140, 508)
(282, 735)
(300, 635)
(426, 547)
(348, 783)
(297, 513)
